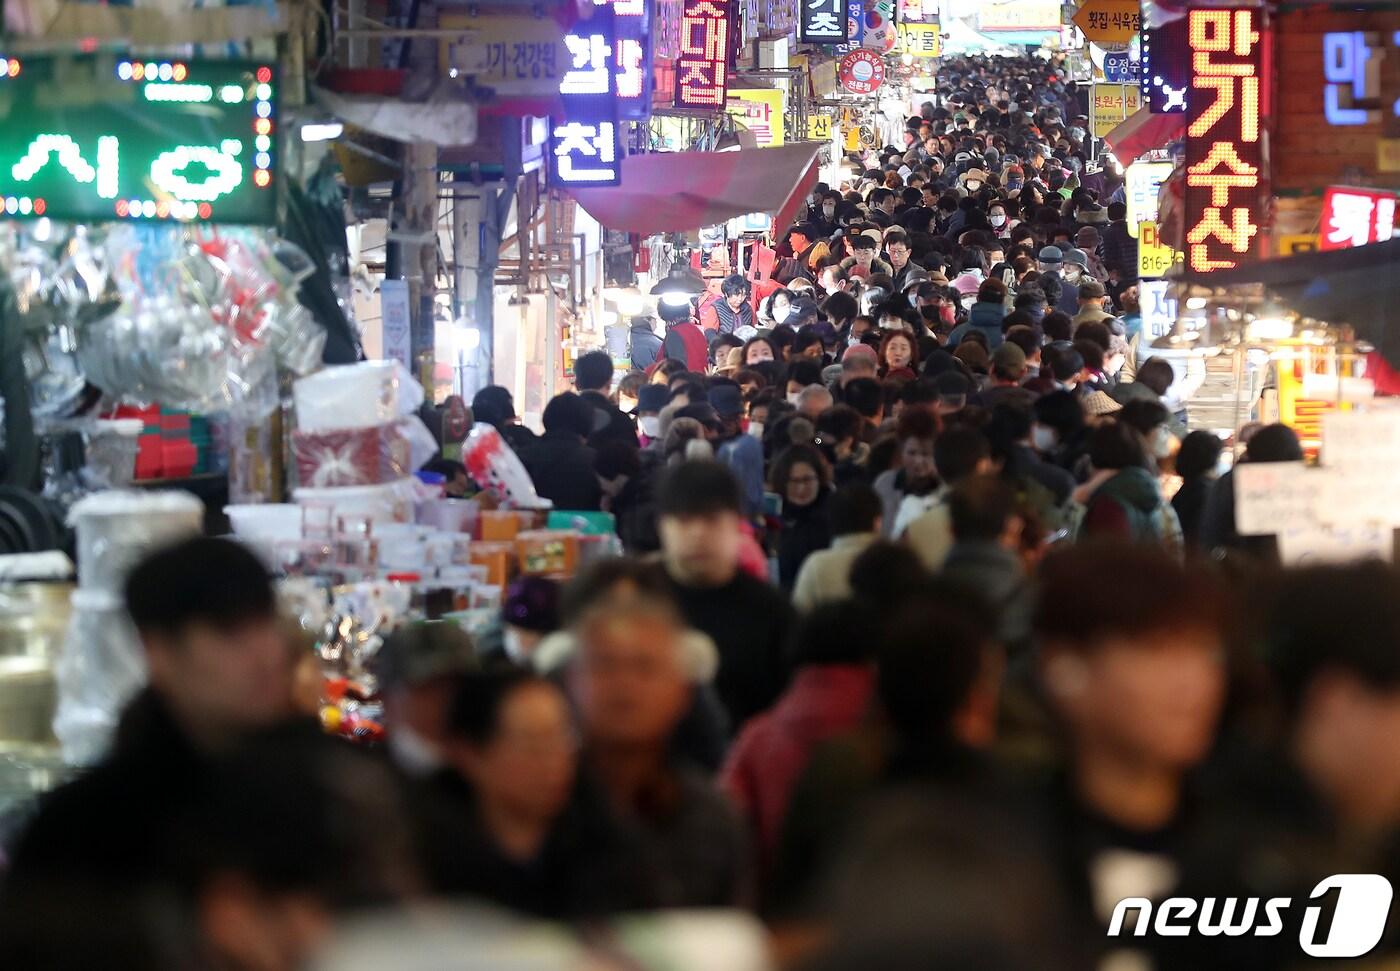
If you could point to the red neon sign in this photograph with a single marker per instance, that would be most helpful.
(1224, 141)
(1355, 217)
(704, 54)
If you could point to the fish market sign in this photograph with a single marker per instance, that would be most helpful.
(99, 137)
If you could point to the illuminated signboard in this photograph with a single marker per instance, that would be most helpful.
(100, 137)
(861, 71)
(761, 112)
(855, 26)
(919, 40)
(1351, 67)
(1224, 137)
(1166, 67)
(632, 30)
(1355, 217)
(1142, 182)
(823, 22)
(1019, 15)
(586, 140)
(704, 57)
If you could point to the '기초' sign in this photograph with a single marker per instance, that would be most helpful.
(102, 137)
(704, 54)
(822, 22)
(1224, 137)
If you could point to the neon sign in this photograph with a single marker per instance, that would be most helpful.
(632, 31)
(95, 138)
(1165, 66)
(586, 140)
(1351, 66)
(822, 22)
(1224, 144)
(1355, 217)
(704, 57)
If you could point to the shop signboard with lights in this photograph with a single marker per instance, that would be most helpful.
(585, 142)
(1356, 217)
(1224, 137)
(702, 68)
(93, 138)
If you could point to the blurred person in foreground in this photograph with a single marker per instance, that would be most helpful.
(631, 691)
(419, 669)
(699, 520)
(1136, 681)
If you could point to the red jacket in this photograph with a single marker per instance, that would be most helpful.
(770, 753)
(685, 342)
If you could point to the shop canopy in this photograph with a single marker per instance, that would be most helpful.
(1142, 132)
(1357, 286)
(675, 192)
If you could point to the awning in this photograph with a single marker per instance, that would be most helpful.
(1357, 286)
(1142, 132)
(674, 192)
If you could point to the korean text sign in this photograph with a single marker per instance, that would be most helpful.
(632, 30)
(102, 137)
(704, 54)
(1355, 217)
(823, 22)
(1224, 137)
(585, 140)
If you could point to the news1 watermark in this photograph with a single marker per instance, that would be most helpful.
(1344, 916)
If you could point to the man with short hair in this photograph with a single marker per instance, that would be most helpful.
(1091, 296)
(593, 374)
(699, 517)
(867, 397)
(862, 262)
(859, 361)
(986, 555)
(1008, 371)
(882, 203)
(958, 453)
(897, 248)
(630, 686)
(813, 400)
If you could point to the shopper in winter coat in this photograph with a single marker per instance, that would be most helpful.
(801, 477)
(646, 343)
(560, 464)
(986, 315)
(855, 523)
(828, 695)
(1122, 500)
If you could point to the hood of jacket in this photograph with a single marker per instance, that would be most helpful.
(1134, 488)
(987, 315)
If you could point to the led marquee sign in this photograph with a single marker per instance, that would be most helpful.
(98, 137)
(1224, 137)
(704, 54)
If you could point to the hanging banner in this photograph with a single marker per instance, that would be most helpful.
(702, 69)
(1224, 137)
(822, 22)
(862, 71)
(761, 112)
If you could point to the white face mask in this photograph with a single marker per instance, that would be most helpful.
(627, 404)
(650, 425)
(1161, 442)
(793, 396)
(414, 753)
(756, 429)
(1044, 438)
(780, 312)
(1071, 273)
(998, 220)
(828, 211)
(973, 185)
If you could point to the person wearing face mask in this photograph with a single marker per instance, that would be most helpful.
(1073, 271)
(651, 398)
(823, 218)
(777, 307)
(1001, 223)
(758, 350)
(832, 279)
(1013, 178)
(973, 179)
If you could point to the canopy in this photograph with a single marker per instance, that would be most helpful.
(1356, 286)
(1143, 131)
(674, 192)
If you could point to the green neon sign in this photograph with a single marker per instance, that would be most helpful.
(98, 138)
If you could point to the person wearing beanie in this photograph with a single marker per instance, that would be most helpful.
(529, 613)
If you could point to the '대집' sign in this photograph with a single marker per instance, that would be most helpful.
(862, 71)
(822, 22)
(1224, 137)
(1355, 217)
(704, 59)
(102, 137)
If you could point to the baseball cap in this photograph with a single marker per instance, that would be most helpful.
(1076, 256)
(1051, 254)
(1009, 357)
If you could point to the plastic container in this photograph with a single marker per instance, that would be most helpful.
(111, 450)
(118, 528)
(359, 395)
(269, 522)
(548, 551)
(392, 502)
(361, 456)
(450, 515)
